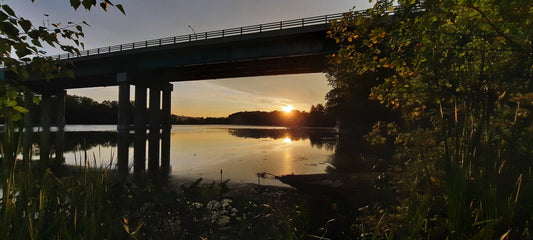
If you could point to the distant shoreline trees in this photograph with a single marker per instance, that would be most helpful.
(85, 110)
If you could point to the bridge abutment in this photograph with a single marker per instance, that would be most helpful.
(139, 151)
(46, 122)
(60, 124)
(154, 118)
(166, 127)
(123, 124)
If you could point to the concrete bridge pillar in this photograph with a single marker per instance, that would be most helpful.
(46, 122)
(153, 138)
(123, 123)
(27, 140)
(139, 153)
(165, 124)
(60, 124)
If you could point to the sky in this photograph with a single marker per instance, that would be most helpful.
(145, 20)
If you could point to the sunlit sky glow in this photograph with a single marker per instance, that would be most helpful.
(287, 108)
(162, 18)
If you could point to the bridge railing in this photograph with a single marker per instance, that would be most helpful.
(325, 19)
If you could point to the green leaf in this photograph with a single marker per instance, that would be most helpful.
(16, 117)
(3, 16)
(121, 8)
(75, 3)
(25, 24)
(87, 4)
(22, 50)
(36, 43)
(11, 103)
(8, 29)
(20, 109)
(104, 6)
(8, 10)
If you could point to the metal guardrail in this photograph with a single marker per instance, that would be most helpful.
(303, 22)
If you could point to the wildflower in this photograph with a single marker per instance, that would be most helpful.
(197, 205)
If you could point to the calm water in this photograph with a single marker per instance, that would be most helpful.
(203, 150)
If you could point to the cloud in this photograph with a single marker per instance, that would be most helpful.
(219, 98)
(309, 88)
(206, 98)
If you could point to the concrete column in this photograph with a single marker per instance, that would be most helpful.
(28, 127)
(123, 123)
(165, 123)
(153, 138)
(60, 124)
(139, 153)
(46, 122)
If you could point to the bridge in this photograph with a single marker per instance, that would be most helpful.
(285, 47)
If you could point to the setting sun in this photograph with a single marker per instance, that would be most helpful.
(287, 108)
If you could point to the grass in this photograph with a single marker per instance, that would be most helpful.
(38, 205)
(92, 203)
(468, 177)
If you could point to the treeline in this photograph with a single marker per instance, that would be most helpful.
(85, 110)
(316, 117)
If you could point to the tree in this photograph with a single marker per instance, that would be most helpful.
(357, 67)
(460, 74)
(21, 52)
(318, 117)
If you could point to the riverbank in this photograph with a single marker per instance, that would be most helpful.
(188, 209)
(327, 206)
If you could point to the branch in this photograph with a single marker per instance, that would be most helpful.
(498, 30)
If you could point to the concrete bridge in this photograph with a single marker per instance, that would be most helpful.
(286, 47)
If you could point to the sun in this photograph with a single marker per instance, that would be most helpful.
(287, 108)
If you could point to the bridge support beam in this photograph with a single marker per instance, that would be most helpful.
(165, 124)
(123, 124)
(139, 153)
(153, 138)
(28, 127)
(60, 124)
(46, 122)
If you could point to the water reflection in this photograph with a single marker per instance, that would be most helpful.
(80, 141)
(202, 151)
(354, 155)
(241, 151)
(318, 137)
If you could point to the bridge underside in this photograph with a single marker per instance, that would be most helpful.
(259, 67)
(287, 51)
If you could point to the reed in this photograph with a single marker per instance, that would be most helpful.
(36, 204)
(477, 183)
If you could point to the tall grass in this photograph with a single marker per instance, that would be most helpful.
(472, 176)
(36, 204)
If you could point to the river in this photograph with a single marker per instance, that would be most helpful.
(204, 150)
